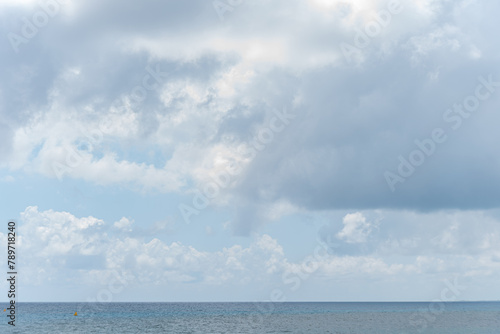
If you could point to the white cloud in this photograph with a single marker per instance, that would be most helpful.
(356, 228)
(57, 246)
(50, 240)
(124, 224)
(7, 179)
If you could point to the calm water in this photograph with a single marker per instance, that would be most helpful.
(232, 318)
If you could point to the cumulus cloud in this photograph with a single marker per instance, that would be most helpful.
(58, 246)
(54, 242)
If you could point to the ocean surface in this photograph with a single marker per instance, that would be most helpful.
(233, 318)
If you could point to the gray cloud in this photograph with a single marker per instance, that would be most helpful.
(353, 119)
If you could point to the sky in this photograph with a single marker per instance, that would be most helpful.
(236, 150)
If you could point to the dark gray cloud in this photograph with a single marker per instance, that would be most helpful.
(358, 124)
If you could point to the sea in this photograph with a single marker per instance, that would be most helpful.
(233, 318)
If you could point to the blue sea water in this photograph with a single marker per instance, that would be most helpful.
(233, 318)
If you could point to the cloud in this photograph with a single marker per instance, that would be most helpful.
(356, 228)
(8, 179)
(220, 82)
(55, 243)
(59, 246)
(82, 253)
(124, 224)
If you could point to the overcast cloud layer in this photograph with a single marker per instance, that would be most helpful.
(196, 143)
